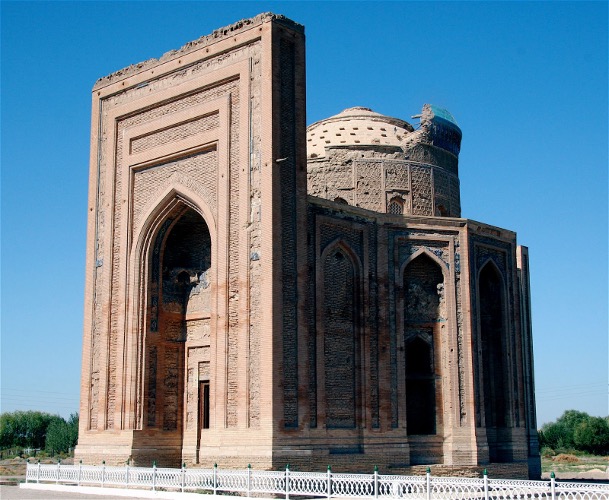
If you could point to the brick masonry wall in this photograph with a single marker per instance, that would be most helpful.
(369, 177)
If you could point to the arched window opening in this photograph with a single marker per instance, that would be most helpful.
(340, 306)
(494, 362)
(424, 311)
(420, 388)
(395, 206)
(340, 200)
(441, 211)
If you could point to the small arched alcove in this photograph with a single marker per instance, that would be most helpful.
(395, 206)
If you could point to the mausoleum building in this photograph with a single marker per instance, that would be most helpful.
(259, 292)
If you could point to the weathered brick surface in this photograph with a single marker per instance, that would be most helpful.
(348, 327)
(368, 160)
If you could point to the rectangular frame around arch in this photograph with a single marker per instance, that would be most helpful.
(452, 375)
(124, 415)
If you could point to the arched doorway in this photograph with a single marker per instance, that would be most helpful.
(420, 387)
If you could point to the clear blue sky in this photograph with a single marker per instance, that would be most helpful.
(527, 83)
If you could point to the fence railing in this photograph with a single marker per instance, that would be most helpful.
(313, 484)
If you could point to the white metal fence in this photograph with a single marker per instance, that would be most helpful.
(312, 484)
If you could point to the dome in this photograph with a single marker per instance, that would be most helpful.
(357, 126)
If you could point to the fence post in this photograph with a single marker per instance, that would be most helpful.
(183, 475)
(38, 472)
(27, 469)
(103, 478)
(329, 486)
(215, 479)
(58, 467)
(154, 475)
(485, 472)
(79, 471)
(428, 482)
(376, 481)
(553, 485)
(249, 480)
(127, 474)
(287, 482)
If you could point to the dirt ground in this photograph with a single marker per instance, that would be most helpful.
(595, 475)
(576, 468)
(14, 468)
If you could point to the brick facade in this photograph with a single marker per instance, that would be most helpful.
(259, 293)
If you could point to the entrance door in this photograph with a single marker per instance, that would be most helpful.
(203, 411)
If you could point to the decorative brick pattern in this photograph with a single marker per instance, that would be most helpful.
(232, 394)
(421, 191)
(368, 182)
(340, 339)
(197, 172)
(171, 389)
(152, 374)
(255, 241)
(198, 331)
(396, 175)
(172, 134)
(455, 197)
(287, 178)
(461, 347)
(372, 307)
(330, 231)
(311, 313)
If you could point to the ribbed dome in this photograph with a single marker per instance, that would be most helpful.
(355, 126)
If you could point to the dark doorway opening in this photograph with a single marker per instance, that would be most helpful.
(204, 404)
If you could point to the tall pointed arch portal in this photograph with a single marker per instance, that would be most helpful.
(175, 381)
(495, 357)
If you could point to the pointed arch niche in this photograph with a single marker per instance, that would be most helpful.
(494, 356)
(424, 313)
(176, 303)
(339, 356)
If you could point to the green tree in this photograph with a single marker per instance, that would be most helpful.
(24, 428)
(592, 435)
(552, 435)
(7, 430)
(560, 435)
(61, 435)
(571, 419)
